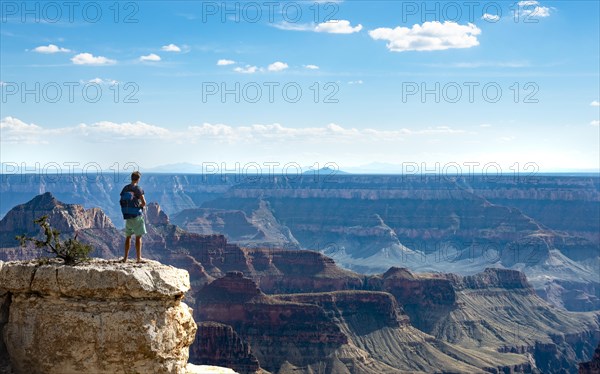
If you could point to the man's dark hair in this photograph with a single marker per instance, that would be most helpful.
(135, 176)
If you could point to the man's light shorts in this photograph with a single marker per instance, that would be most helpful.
(135, 226)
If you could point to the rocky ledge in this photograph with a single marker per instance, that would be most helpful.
(99, 317)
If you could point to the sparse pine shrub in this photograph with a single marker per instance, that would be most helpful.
(70, 251)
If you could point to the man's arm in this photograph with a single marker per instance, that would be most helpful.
(143, 200)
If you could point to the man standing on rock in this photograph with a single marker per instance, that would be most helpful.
(132, 205)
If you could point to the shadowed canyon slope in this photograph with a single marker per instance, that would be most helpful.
(296, 311)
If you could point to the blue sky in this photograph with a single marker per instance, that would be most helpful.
(365, 63)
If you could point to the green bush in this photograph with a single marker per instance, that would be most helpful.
(70, 251)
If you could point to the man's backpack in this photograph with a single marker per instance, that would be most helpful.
(130, 204)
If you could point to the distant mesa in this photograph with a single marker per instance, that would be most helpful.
(325, 171)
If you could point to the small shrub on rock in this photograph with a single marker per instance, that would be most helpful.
(70, 251)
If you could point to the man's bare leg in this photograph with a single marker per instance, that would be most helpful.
(138, 248)
(127, 246)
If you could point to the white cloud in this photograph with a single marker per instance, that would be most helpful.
(123, 130)
(330, 132)
(533, 8)
(311, 67)
(15, 124)
(151, 57)
(225, 62)
(102, 81)
(490, 17)
(356, 82)
(485, 125)
(89, 59)
(430, 36)
(15, 131)
(595, 123)
(170, 48)
(50, 48)
(341, 26)
(595, 103)
(541, 11)
(277, 66)
(246, 70)
(294, 26)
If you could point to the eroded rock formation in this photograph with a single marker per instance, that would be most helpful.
(90, 225)
(219, 344)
